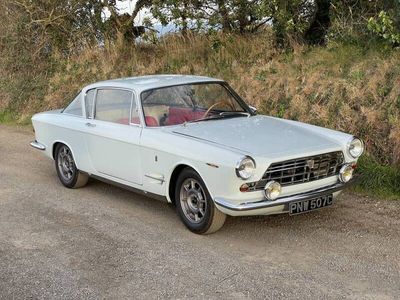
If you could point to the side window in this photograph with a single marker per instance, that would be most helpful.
(89, 102)
(75, 107)
(113, 105)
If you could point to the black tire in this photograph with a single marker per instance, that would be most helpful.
(67, 171)
(198, 212)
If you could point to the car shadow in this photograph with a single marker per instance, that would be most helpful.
(239, 226)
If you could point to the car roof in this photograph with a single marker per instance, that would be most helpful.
(141, 83)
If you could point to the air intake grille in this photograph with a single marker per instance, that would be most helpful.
(303, 169)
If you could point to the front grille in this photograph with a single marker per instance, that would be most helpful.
(304, 169)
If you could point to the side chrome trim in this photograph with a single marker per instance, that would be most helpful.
(282, 200)
(157, 177)
(35, 144)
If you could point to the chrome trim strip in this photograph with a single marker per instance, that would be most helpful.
(282, 200)
(155, 177)
(212, 165)
(35, 144)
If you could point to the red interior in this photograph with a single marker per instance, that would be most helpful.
(150, 121)
(179, 115)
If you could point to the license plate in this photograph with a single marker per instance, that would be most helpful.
(303, 206)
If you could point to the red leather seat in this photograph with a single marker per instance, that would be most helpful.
(150, 121)
(179, 115)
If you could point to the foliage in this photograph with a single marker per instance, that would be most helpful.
(230, 16)
(350, 18)
(384, 26)
(379, 179)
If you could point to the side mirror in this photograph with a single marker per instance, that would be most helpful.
(253, 109)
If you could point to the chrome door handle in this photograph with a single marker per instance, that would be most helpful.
(90, 124)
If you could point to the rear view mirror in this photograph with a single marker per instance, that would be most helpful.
(253, 109)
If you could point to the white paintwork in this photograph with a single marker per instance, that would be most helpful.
(145, 157)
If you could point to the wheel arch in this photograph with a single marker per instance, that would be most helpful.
(174, 177)
(58, 142)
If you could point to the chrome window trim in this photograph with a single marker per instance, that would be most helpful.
(133, 100)
(84, 102)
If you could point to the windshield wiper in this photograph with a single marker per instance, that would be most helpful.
(234, 113)
(222, 115)
(214, 117)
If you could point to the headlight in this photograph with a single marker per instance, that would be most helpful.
(346, 173)
(356, 147)
(272, 190)
(245, 168)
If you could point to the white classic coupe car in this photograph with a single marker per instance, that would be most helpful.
(194, 142)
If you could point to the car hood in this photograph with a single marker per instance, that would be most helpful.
(261, 136)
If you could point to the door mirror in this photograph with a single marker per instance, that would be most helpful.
(253, 109)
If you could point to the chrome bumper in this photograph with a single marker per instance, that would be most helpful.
(35, 144)
(283, 201)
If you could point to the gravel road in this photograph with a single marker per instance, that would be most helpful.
(104, 242)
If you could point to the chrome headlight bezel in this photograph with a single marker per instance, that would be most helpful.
(346, 173)
(245, 168)
(272, 190)
(358, 144)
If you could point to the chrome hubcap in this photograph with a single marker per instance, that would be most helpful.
(66, 164)
(193, 200)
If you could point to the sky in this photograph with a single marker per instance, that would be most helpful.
(127, 6)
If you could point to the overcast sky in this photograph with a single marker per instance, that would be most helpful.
(128, 6)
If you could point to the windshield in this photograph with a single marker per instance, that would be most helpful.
(190, 103)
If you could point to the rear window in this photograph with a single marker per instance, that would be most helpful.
(75, 107)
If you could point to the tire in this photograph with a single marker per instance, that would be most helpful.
(194, 204)
(67, 171)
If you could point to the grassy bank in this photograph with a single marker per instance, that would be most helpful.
(349, 87)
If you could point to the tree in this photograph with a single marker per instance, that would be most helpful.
(320, 23)
(230, 16)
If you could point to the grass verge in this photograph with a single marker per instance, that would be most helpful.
(11, 118)
(377, 180)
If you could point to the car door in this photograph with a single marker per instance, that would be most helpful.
(113, 134)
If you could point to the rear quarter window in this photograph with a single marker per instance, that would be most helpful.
(75, 107)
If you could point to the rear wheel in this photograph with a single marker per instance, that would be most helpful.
(67, 171)
(195, 206)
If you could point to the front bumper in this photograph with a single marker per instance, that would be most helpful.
(280, 205)
(35, 144)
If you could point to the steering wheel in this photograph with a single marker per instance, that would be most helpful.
(215, 105)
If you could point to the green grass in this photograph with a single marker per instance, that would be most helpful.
(11, 118)
(7, 117)
(377, 180)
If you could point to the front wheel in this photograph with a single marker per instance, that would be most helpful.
(195, 206)
(67, 171)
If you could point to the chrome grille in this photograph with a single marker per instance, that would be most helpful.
(303, 169)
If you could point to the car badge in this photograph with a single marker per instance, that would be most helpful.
(310, 163)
